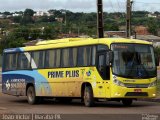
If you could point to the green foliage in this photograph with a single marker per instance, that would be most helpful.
(7, 13)
(28, 12)
(45, 19)
(28, 17)
(30, 27)
(27, 20)
(17, 19)
(49, 33)
(111, 27)
(157, 50)
(152, 26)
(140, 14)
(34, 34)
(21, 32)
(11, 41)
(158, 88)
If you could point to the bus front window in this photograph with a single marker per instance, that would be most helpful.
(133, 61)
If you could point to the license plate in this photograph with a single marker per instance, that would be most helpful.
(137, 90)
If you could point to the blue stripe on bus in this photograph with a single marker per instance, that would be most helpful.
(30, 77)
(11, 50)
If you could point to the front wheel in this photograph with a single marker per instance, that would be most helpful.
(88, 97)
(127, 102)
(31, 96)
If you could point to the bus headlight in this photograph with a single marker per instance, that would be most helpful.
(119, 83)
(153, 84)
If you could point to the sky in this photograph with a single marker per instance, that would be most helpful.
(77, 5)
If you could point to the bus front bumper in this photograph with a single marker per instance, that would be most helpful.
(123, 92)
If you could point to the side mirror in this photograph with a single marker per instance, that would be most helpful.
(109, 58)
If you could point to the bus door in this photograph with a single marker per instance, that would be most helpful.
(104, 72)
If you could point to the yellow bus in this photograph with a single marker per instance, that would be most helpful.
(111, 69)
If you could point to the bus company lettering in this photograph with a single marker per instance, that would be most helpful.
(74, 73)
(15, 84)
(60, 74)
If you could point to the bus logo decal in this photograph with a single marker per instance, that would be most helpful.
(8, 85)
(89, 73)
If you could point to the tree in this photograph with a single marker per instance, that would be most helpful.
(21, 32)
(28, 12)
(7, 13)
(35, 34)
(152, 26)
(11, 41)
(49, 33)
(28, 17)
(17, 19)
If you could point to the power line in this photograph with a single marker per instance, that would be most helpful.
(123, 16)
(148, 6)
(147, 3)
(119, 5)
(112, 6)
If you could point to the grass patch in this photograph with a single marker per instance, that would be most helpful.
(158, 88)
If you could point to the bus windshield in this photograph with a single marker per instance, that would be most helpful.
(133, 61)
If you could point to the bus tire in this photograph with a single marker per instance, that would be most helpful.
(127, 102)
(31, 96)
(88, 97)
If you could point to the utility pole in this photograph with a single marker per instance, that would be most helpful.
(128, 18)
(100, 25)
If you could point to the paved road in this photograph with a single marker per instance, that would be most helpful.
(19, 105)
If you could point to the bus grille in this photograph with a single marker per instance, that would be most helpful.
(137, 85)
(130, 94)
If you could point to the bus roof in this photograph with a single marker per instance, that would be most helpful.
(71, 42)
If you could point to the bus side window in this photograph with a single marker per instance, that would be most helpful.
(50, 59)
(93, 55)
(87, 56)
(23, 62)
(41, 59)
(58, 58)
(72, 57)
(14, 61)
(84, 56)
(65, 57)
(10, 61)
(80, 56)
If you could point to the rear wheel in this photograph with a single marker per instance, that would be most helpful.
(127, 102)
(88, 97)
(31, 96)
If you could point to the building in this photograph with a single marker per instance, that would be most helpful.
(111, 34)
(2, 16)
(141, 30)
(42, 13)
(151, 15)
(143, 34)
(59, 19)
(16, 14)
